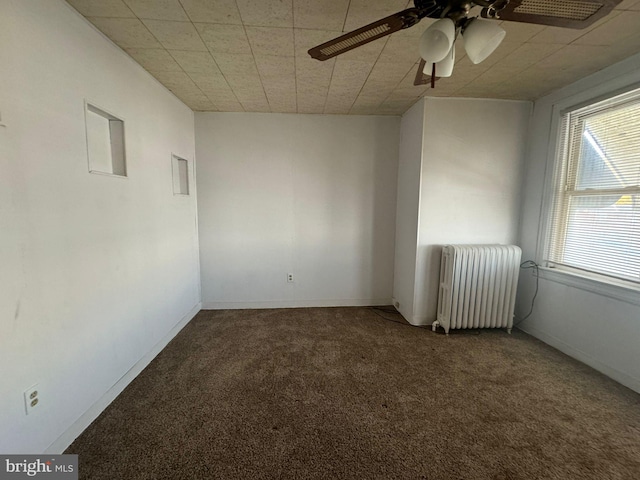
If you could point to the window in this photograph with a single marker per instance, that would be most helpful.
(105, 142)
(180, 168)
(595, 222)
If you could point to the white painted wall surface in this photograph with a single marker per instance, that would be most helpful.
(471, 170)
(597, 329)
(406, 245)
(311, 195)
(97, 271)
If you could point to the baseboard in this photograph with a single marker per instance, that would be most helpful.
(620, 377)
(64, 440)
(295, 304)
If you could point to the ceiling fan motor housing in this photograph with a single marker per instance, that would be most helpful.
(457, 10)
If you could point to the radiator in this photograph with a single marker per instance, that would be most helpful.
(477, 286)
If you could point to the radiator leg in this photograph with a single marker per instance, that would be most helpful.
(434, 326)
(509, 331)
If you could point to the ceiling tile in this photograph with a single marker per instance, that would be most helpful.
(212, 85)
(228, 105)
(281, 100)
(313, 77)
(321, 15)
(311, 103)
(158, 9)
(224, 38)
(198, 103)
(400, 50)
(375, 89)
(179, 83)
(575, 57)
(625, 48)
(271, 66)
(258, 106)
(212, 11)
(497, 75)
(629, 5)
(363, 110)
(216, 88)
(369, 101)
(503, 50)
(556, 35)
(407, 81)
(350, 74)
(251, 99)
(195, 62)
(126, 32)
(154, 59)
(271, 41)
(518, 32)
(528, 54)
(284, 86)
(338, 105)
(245, 84)
(364, 12)
(614, 30)
(283, 107)
(236, 64)
(176, 35)
(211, 63)
(266, 13)
(102, 8)
(389, 73)
(397, 106)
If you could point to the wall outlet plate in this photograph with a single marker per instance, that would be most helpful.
(31, 398)
(289, 277)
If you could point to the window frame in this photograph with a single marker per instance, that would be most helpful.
(626, 290)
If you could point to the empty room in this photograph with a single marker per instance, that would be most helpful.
(316, 239)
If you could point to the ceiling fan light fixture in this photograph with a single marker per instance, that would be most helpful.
(481, 38)
(444, 68)
(437, 40)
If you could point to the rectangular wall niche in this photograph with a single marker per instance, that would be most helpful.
(105, 142)
(180, 169)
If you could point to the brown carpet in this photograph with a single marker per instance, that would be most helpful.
(343, 393)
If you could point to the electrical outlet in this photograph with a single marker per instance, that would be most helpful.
(289, 277)
(31, 399)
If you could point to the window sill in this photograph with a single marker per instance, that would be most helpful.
(619, 290)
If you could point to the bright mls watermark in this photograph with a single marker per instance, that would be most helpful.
(53, 467)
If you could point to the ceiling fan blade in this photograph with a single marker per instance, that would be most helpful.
(558, 13)
(366, 34)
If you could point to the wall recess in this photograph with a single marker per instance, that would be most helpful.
(105, 142)
(180, 169)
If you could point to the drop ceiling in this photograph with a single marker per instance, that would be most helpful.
(251, 55)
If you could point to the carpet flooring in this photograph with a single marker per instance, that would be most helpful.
(344, 393)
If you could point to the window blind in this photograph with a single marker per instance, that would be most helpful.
(595, 222)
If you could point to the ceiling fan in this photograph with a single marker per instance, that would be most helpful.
(480, 31)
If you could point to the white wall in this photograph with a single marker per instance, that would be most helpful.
(473, 153)
(407, 209)
(600, 329)
(470, 168)
(97, 272)
(311, 195)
